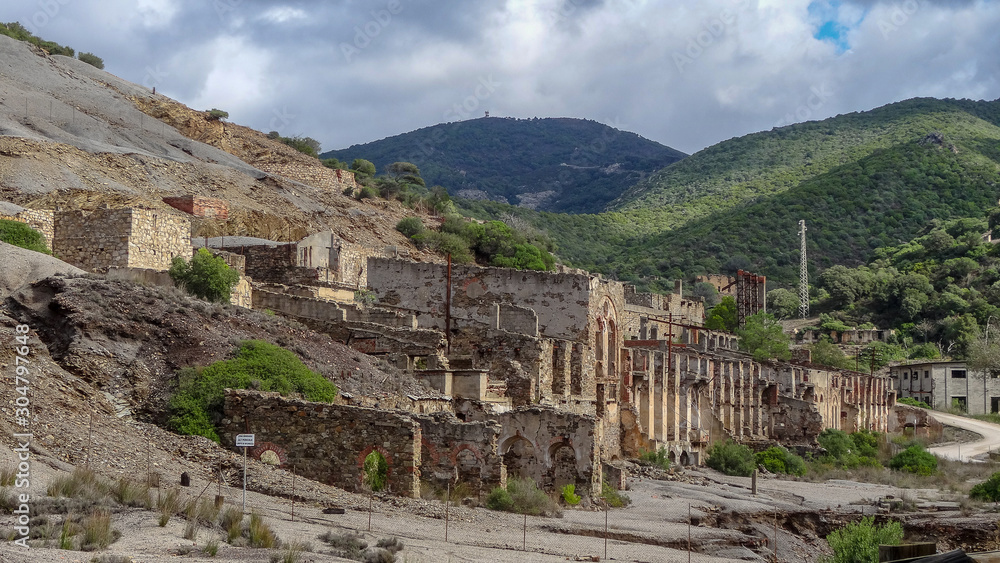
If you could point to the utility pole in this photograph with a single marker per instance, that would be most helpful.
(803, 274)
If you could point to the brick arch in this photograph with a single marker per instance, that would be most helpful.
(433, 455)
(555, 444)
(264, 447)
(453, 455)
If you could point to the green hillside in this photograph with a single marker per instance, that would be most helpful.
(566, 165)
(861, 181)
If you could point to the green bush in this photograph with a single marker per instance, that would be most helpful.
(988, 490)
(368, 192)
(19, 234)
(363, 167)
(410, 226)
(521, 496)
(913, 402)
(659, 458)
(445, 243)
(93, 60)
(858, 542)
(197, 403)
(375, 471)
(217, 114)
(731, 458)
(613, 497)
(205, 276)
(777, 459)
(914, 459)
(569, 495)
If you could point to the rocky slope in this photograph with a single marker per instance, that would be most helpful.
(74, 136)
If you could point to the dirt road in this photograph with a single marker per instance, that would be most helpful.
(968, 451)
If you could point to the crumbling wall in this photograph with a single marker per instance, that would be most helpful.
(552, 448)
(914, 421)
(561, 301)
(127, 238)
(460, 452)
(329, 443)
(200, 206)
(316, 176)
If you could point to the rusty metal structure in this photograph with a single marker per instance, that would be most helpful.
(751, 295)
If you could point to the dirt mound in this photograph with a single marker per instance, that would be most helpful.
(22, 267)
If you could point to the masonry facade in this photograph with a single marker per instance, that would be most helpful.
(945, 385)
(122, 238)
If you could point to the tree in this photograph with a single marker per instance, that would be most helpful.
(363, 167)
(205, 276)
(723, 315)
(217, 114)
(826, 353)
(763, 337)
(410, 226)
(784, 304)
(706, 291)
(91, 59)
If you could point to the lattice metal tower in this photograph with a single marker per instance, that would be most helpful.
(803, 274)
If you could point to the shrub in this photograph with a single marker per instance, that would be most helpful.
(217, 114)
(569, 495)
(367, 192)
(197, 403)
(858, 542)
(259, 533)
(94, 60)
(613, 497)
(988, 490)
(731, 458)
(375, 471)
(346, 545)
(19, 234)
(914, 459)
(363, 167)
(913, 402)
(521, 496)
(97, 531)
(410, 226)
(659, 458)
(777, 459)
(445, 243)
(205, 276)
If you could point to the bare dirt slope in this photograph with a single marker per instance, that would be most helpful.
(73, 136)
(22, 267)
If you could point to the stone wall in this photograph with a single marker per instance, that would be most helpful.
(42, 220)
(915, 421)
(562, 301)
(128, 238)
(460, 452)
(336, 259)
(276, 264)
(200, 206)
(329, 443)
(316, 176)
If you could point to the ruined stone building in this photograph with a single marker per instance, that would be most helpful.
(558, 373)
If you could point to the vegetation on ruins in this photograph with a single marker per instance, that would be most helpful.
(915, 459)
(21, 33)
(577, 165)
(196, 405)
(305, 145)
(569, 495)
(657, 458)
(857, 542)
(523, 497)
(375, 471)
(205, 276)
(19, 234)
(912, 402)
(612, 497)
(731, 458)
(763, 338)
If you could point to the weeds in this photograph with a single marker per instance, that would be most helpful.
(260, 534)
(97, 531)
(521, 496)
(613, 497)
(292, 553)
(346, 545)
(659, 458)
(130, 493)
(211, 547)
(7, 476)
(232, 522)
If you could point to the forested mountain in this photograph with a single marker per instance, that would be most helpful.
(558, 164)
(861, 181)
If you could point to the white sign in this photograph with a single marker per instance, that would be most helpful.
(245, 440)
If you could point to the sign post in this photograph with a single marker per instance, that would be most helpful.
(245, 441)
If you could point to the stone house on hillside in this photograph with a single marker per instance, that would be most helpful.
(944, 384)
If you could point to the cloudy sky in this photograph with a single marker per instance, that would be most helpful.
(686, 73)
